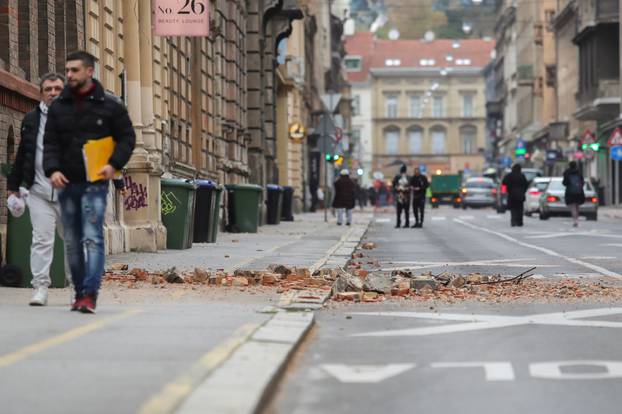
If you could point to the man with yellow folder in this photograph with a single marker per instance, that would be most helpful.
(88, 139)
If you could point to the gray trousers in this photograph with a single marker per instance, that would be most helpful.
(46, 219)
(348, 213)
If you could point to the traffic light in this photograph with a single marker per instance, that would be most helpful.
(594, 146)
(520, 152)
(336, 158)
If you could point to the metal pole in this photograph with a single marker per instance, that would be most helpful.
(616, 180)
(325, 144)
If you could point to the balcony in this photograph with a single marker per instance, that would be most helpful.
(601, 103)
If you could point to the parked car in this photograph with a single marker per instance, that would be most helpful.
(532, 198)
(552, 201)
(479, 192)
(502, 192)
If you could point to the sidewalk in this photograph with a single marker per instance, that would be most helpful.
(611, 212)
(300, 243)
(188, 344)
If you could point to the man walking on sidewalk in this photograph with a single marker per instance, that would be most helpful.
(419, 184)
(516, 184)
(84, 112)
(42, 199)
(344, 197)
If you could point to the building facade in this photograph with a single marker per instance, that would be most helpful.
(427, 103)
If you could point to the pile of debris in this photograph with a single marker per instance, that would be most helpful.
(282, 277)
(363, 286)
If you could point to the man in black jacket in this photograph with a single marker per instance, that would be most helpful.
(516, 184)
(42, 200)
(419, 184)
(84, 112)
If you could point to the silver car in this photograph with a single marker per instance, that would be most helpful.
(552, 201)
(532, 198)
(479, 192)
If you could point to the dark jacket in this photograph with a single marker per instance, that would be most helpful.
(570, 196)
(68, 128)
(517, 185)
(419, 184)
(23, 171)
(344, 193)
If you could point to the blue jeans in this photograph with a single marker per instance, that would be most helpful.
(83, 206)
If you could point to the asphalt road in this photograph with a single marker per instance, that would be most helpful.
(403, 357)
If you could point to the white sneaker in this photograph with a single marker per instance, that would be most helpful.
(40, 297)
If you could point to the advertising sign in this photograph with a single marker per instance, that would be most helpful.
(181, 17)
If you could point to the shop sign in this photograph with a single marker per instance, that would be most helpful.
(181, 17)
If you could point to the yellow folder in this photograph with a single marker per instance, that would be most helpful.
(97, 153)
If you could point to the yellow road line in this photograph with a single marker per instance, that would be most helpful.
(29, 350)
(173, 394)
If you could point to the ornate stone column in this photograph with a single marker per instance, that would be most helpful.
(142, 204)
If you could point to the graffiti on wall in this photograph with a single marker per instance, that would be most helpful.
(136, 194)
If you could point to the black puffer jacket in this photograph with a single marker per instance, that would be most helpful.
(517, 186)
(69, 127)
(344, 193)
(23, 171)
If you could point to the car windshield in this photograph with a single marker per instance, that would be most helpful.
(556, 185)
(479, 184)
(540, 186)
(531, 174)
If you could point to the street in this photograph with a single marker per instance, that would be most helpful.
(406, 356)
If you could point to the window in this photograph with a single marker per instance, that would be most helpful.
(353, 64)
(356, 105)
(468, 138)
(392, 140)
(437, 108)
(416, 110)
(467, 105)
(438, 141)
(415, 138)
(391, 106)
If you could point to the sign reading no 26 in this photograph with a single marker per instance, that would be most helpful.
(181, 18)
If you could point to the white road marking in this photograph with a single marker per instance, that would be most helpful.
(495, 371)
(494, 217)
(383, 220)
(552, 370)
(466, 217)
(439, 218)
(370, 374)
(556, 235)
(418, 265)
(549, 252)
(475, 322)
(598, 257)
(612, 244)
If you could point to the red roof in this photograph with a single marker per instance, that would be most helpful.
(380, 54)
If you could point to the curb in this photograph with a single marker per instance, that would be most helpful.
(242, 383)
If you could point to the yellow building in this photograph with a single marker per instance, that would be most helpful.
(428, 102)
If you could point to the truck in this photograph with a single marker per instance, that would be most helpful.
(446, 190)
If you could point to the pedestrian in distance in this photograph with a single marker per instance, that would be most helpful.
(401, 190)
(574, 195)
(344, 197)
(42, 199)
(85, 114)
(517, 185)
(419, 184)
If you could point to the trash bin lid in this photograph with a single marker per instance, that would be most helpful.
(177, 182)
(251, 187)
(274, 187)
(206, 183)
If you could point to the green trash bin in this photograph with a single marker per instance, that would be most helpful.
(19, 241)
(177, 200)
(243, 207)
